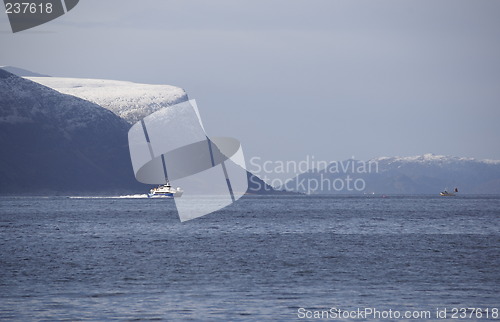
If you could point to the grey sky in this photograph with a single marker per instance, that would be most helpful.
(331, 79)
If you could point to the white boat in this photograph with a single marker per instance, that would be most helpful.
(448, 194)
(165, 191)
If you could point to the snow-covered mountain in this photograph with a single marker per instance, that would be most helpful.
(130, 101)
(423, 174)
(59, 143)
(24, 101)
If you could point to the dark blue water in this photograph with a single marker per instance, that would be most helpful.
(262, 258)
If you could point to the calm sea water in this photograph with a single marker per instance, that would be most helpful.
(262, 258)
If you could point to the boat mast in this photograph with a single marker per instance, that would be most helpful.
(165, 170)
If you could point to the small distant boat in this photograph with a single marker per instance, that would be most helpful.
(165, 191)
(448, 194)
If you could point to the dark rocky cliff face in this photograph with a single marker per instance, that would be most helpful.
(52, 142)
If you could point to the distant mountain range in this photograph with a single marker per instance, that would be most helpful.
(22, 72)
(425, 174)
(52, 142)
(68, 135)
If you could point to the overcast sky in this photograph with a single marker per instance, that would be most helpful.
(333, 79)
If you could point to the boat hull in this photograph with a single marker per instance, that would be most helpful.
(177, 194)
(160, 195)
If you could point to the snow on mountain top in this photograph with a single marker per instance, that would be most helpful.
(24, 101)
(131, 101)
(489, 161)
(432, 158)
